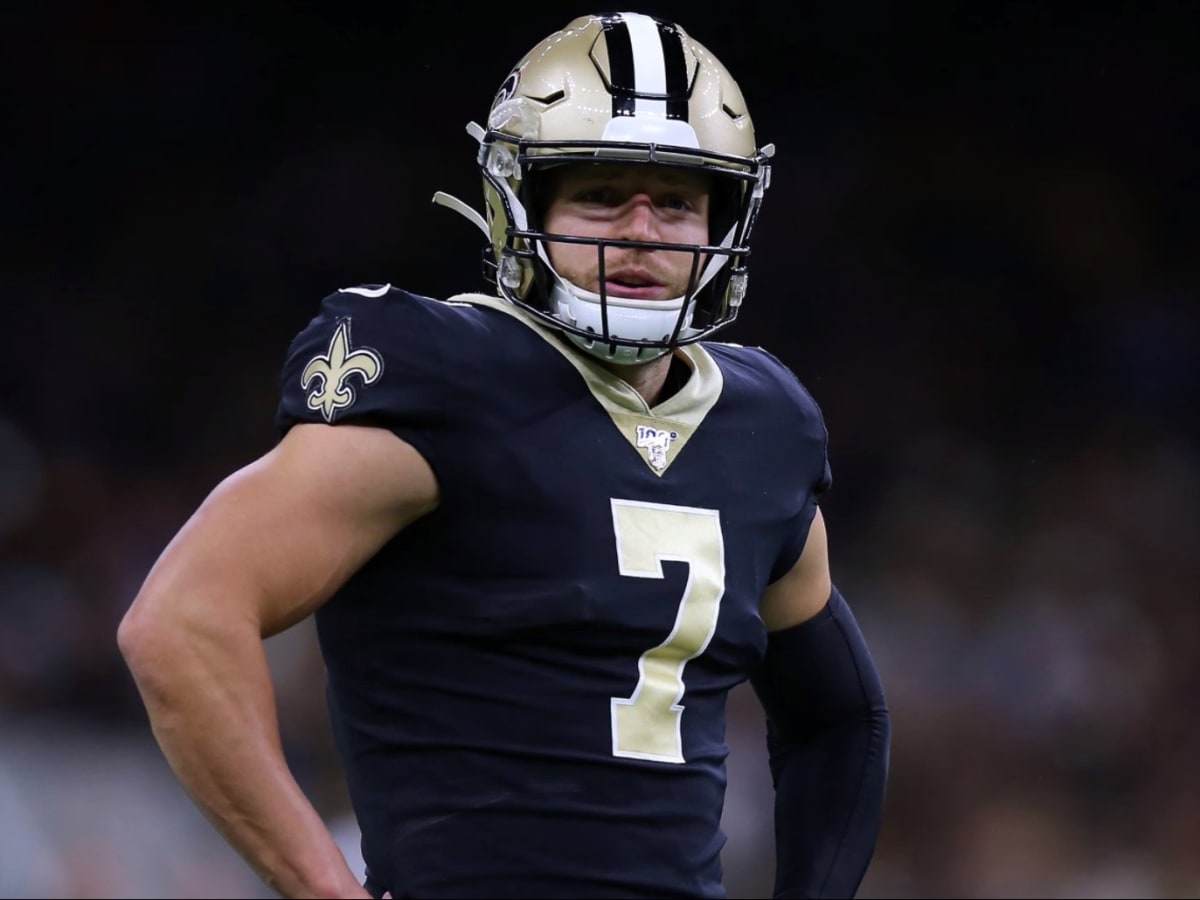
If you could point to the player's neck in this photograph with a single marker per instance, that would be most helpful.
(655, 381)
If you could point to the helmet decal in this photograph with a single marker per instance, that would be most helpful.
(508, 88)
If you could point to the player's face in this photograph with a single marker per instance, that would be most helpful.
(628, 202)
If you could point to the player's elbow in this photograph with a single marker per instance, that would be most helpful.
(166, 630)
(145, 636)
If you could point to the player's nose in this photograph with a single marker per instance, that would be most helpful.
(639, 223)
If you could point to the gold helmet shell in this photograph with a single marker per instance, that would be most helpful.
(585, 81)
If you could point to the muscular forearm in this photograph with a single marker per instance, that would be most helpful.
(208, 694)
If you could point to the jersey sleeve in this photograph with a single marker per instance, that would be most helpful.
(808, 442)
(379, 357)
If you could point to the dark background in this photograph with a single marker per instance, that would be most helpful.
(979, 251)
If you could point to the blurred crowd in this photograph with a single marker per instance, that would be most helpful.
(979, 253)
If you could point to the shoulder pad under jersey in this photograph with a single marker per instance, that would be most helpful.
(766, 376)
(373, 354)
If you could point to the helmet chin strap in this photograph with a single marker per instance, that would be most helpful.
(468, 212)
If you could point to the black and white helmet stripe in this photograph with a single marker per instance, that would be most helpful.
(647, 67)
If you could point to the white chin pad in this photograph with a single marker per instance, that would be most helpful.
(628, 319)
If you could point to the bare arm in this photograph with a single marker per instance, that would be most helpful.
(266, 548)
(801, 593)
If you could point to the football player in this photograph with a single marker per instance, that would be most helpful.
(543, 530)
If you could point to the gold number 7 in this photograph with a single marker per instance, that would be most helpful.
(647, 724)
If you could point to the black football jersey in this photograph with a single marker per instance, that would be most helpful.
(528, 685)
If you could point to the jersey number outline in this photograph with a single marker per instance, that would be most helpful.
(648, 724)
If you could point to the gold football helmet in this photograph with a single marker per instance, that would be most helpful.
(631, 88)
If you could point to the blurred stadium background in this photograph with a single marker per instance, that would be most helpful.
(981, 251)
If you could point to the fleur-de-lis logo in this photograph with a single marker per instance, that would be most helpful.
(331, 371)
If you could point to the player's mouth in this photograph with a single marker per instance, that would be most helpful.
(635, 284)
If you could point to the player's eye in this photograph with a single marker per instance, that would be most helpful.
(602, 195)
(676, 202)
